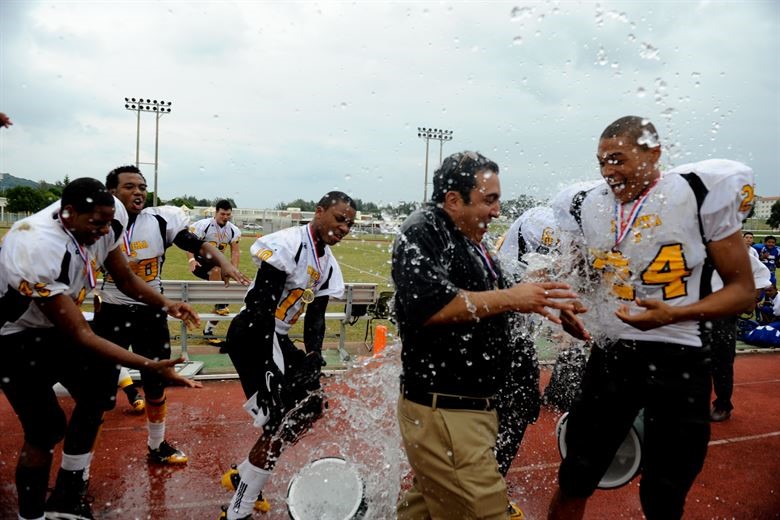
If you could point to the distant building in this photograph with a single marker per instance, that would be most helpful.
(763, 207)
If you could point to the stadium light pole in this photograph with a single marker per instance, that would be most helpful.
(436, 134)
(159, 108)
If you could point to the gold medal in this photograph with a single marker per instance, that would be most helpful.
(308, 296)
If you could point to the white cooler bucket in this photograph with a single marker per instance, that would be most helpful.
(628, 458)
(326, 489)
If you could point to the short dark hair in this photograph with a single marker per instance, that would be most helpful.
(458, 173)
(334, 197)
(112, 179)
(746, 233)
(86, 193)
(769, 237)
(638, 129)
(224, 204)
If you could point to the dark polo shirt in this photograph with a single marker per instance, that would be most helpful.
(432, 261)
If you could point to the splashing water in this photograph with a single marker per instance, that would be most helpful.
(360, 426)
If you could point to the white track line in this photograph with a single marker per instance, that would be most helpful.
(733, 440)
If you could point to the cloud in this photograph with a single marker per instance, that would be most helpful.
(274, 101)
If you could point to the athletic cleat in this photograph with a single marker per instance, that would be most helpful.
(514, 512)
(211, 339)
(138, 405)
(222, 311)
(69, 497)
(230, 480)
(223, 515)
(167, 454)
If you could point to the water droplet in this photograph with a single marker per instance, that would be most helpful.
(343, 104)
(601, 57)
(348, 177)
(640, 92)
(517, 40)
(649, 52)
(518, 13)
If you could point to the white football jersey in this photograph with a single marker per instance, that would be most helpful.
(661, 256)
(532, 232)
(292, 250)
(147, 248)
(40, 259)
(208, 230)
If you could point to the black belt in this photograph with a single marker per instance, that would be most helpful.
(452, 402)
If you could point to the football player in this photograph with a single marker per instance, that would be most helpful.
(221, 233)
(650, 239)
(534, 232)
(296, 271)
(118, 318)
(48, 265)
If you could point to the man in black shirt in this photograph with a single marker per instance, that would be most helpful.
(453, 308)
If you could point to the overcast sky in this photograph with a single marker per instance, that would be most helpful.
(276, 101)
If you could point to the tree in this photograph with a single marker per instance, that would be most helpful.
(298, 203)
(774, 216)
(26, 199)
(179, 202)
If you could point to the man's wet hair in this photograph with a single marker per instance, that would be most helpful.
(224, 204)
(634, 128)
(112, 179)
(458, 173)
(334, 197)
(86, 193)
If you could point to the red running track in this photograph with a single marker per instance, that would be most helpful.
(741, 476)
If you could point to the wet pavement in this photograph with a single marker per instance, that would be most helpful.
(739, 480)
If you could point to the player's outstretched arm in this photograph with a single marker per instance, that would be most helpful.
(228, 270)
(66, 317)
(133, 286)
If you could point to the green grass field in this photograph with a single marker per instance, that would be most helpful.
(364, 258)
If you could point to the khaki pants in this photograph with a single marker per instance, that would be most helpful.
(451, 453)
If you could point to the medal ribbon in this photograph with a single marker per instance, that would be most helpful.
(622, 227)
(128, 238)
(486, 261)
(84, 254)
(310, 236)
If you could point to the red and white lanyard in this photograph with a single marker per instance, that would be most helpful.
(84, 254)
(310, 236)
(623, 226)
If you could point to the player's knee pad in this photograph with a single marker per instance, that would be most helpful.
(302, 417)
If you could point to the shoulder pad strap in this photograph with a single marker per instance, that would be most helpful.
(700, 192)
(163, 228)
(575, 210)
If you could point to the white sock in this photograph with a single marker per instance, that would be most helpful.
(77, 463)
(252, 481)
(156, 434)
